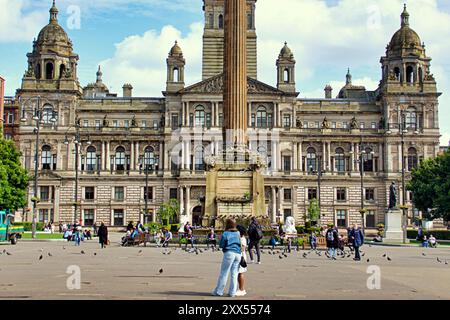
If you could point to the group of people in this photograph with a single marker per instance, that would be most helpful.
(336, 242)
(427, 242)
(234, 263)
(133, 232)
(76, 233)
(163, 237)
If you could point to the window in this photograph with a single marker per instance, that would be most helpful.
(269, 120)
(341, 194)
(175, 122)
(287, 194)
(126, 123)
(91, 159)
(306, 124)
(311, 158)
(46, 157)
(287, 121)
(149, 158)
(368, 160)
(362, 125)
(45, 193)
(89, 193)
(155, 124)
(119, 193)
(173, 193)
(345, 125)
(397, 74)
(333, 125)
(287, 163)
(410, 74)
(46, 215)
(261, 118)
(118, 217)
(341, 218)
(120, 159)
(220, 21)
(89, 217)
(373, 125)
(370, 219)
(10, 118)
(339, 160)
(253, 124)
(48, 114)
(411, 119)
(211, 20)
(148, 194)
(144, 124)
(86, 123)
(200, 116)
(221, 119)
(370, 194)
(199, 161)
(49, 74)
(208, 120)
(312, 193)
(412, 159)
(115, 124)
(98, 124)
(249, 22)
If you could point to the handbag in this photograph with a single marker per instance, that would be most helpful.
(243, 263)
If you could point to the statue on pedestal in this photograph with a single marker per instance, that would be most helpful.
(393, 196)
(134, 122)
(105, 122)
(353, 124)
(325, 124)
(289, 226)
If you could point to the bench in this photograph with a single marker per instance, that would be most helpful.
(142, 238)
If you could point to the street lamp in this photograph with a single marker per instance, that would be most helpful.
(38, 115)
(319, 174)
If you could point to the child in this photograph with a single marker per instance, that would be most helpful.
(341, 244)
(243, 232)
(313, 241)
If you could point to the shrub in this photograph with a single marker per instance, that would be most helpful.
(28, 226)
(438, 234)
(153, 226)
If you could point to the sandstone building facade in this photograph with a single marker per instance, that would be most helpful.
(127, 142)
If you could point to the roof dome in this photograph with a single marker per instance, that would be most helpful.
(176, 50)
(53, 32)
(286, 52)
(405, 38)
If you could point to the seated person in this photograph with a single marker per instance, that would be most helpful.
(87, 234)
(273, 241)
(432, 241)
(211, 239)
(158, 238)
(378, 238)
(167, 238)
(67, 235)
(425, 242)
(126, 237)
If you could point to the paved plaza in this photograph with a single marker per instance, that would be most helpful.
(134, 273)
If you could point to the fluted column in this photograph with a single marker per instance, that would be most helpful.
(235, 73)
(182, 200)
(274, 204)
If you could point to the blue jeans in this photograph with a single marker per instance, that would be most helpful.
(230, 263)
(332, 252)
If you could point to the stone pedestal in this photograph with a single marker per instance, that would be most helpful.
(393, 229)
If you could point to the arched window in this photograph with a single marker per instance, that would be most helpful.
(176, 75)
(368, 160)
(286, 75)
(62, 69)
(339, 160)
(46, 157)
(91, 159)
(149, 157)
(48, 114)
(220, 21)
(397, 73)
(199, 159)
(411, 118)
(410, 74)
(200, 116)
(49, 70)
(38, 71)
(261, 117)
(412, 159)
(120, 159)
(311, 159)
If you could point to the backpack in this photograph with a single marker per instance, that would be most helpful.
(330, 235)
(259, 234)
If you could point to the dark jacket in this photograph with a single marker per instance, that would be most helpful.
(357, 237)
(252, 231)
(335, 242)
(102, 234)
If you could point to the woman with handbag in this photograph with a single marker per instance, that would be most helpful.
(243, 265)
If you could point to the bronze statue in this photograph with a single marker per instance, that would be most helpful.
(105, 121)
(353, 124)
(134, 122)
(299, 124)
(325, 124)
(393, 196)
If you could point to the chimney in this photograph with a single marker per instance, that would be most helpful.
(127, 90)
(328, 92)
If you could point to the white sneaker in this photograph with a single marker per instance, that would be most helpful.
(259, 262)
(240, 293)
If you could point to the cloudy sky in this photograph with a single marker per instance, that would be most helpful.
(130, 39)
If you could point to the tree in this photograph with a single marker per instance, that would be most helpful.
(313, 211)
(430, 185)
(13, 178)
(169, 210)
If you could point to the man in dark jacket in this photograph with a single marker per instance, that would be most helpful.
(255, 236)
(357, 237)
(332, 238)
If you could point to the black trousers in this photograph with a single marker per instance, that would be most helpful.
(357, 255)
(254, 244)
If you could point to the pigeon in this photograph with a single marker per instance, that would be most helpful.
(305, 255)
(384, 255)
(161, 271)
(389, 259)
(95, 253)
(368, 260)
(50, 255)
(280, 257)
(270, 252)
(438, 260)
(41, 257)
(285, 255)
(423, 254)
(348, 256)
(41, 250)
(82, 252)
(4, 250)
(169, 252)
(363, 254)
(446, 262)
(140, 253)
(8, 253)
(64, 248)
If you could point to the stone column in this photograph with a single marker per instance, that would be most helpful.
(108, 158)
(59, 157)
(137, 155)
(399, 152)
(133, 167)
(250, 114)
(274, 155)
(183, 155)
(324, 158)
(181, 199)
(280, 202)
(389, 158)
(380, 158)
(235, 72)
(274, 204)
(352, 159)
(103, 164)
(329, 168)
(275, 115)
(279, 162)
(188, 203)
(300, 156)
(358, 157)
(295, 157)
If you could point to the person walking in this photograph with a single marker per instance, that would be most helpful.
(230, 243)
(103, 235)
(332, 242)
(243, 265)
(255, 235)
(357, 237)
(313, 240)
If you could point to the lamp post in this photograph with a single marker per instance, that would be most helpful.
(38, 116)
(319, 174)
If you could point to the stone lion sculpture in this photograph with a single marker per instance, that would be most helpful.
(289, 225)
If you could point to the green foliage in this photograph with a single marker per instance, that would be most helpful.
(27, 226)
(313, 211)
(153, 226)
(13, 178)
(430, 185)
(169, 210)
(438, 234)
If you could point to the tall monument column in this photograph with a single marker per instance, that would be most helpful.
(235, 74)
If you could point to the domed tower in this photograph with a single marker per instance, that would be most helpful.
(406, 66)
(175, 69)
(52, 65)
(286, 70)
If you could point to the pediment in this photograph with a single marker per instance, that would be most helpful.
(215, 85)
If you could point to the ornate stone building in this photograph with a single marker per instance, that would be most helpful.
(126, 143)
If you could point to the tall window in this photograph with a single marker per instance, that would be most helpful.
(120, 159)
(287, 163)
(220, 21)
(287, 120)
(411, 118)
(89, 217)
(311, 160)
(46, 157)
(45, 193)
(412, 159)
(249, 22)
(47, 114)
(119, 193)
(200, 119)
(149, 158)
(148, 193)
(119, 217)
(89, 193)
(287, 194)
(368, 160)
(341, 218)
(199, 159)
(91, 159)
(370, 194)
(339, 160)
(49, 71)
(410, 74)
(341, 194)
(211, 20)
(173, 193)
(370, 219)
(312, 193)
(261, 118)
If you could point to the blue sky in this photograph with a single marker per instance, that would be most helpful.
(131, 39)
